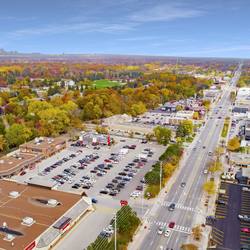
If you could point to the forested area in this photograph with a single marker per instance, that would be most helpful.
(25, 114)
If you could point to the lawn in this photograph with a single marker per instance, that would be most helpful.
(100, 84)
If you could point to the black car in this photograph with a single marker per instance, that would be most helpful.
(86, 187)
(183, 184)
(118, 177)
(171, 207)
(103, 192)
(122, 173)
(115, 181)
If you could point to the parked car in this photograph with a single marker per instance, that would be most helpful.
(245, 230)
(245, 218)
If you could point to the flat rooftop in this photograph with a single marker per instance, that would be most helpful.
(12, 162)
(30, 203)
(43, 143)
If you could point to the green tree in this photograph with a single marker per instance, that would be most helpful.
(2, 127)
(163, 135)
(185, 129)
(17, 134)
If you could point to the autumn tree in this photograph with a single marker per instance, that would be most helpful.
(53, 121)
(138, 109)
(2, 143)
(209, 187)
(233, 144)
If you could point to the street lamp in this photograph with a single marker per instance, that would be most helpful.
(115, 233)
(160, 174)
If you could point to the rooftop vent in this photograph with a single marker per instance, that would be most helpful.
(52, 202)
(28, 221)
(14, 194)
(9, 237)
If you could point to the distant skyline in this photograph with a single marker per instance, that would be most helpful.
(188, 28)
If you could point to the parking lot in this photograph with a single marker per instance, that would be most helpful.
(231, 225)
(115, 171)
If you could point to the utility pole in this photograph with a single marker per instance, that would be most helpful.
(115, 233)
(160, 174)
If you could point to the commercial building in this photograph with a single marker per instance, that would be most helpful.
(37, 218)
(14, 163)
(247, 130)
(243, 98)
(29, 154)
(43, 145)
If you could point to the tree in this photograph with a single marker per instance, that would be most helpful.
(206, 104)
(197, 234)
(138, 109)
(101, 130)
(149, 136)
(209, 187)
(2, 127)
(189, 247)
(233, 144)
(163, 135)
(215, 166)
(53, 121)
(17, 134)
(37, 106)
(185, 129)
(2, 143)
(232, 96)
(196, 115)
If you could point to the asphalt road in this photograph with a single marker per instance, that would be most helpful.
(188, 198)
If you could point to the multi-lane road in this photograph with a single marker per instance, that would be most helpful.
(188, 199)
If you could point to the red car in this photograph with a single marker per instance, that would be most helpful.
(171, 224)
(107, 160)
(245, 230)
(22, 173)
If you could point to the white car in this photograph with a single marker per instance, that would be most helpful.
(160, 230)
(167, 233)
(135, 194)
(205, 171)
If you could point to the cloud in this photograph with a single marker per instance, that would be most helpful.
(139, 38)
(165, 12)
(74, 27)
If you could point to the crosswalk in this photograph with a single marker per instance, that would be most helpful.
(181, 206)
(177, 228)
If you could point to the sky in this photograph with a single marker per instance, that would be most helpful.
(199, 28)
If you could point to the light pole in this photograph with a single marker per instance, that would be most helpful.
(160, 174)
(115, 233)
